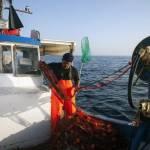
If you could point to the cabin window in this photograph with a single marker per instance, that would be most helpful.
(5, 59)
(26, 60)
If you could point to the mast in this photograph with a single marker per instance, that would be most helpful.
(13, 20)
(1, 9)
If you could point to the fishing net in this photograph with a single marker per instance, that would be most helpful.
(52, 80)
(86, 55)
(85, 132)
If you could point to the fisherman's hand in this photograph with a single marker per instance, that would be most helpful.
(135, 123)
(77, 89)
(41, 64)
(62, 96)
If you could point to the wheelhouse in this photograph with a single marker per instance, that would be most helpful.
(19, 55)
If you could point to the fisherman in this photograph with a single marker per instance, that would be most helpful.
(142, 121)
(63, 92)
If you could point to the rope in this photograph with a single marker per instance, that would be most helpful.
(107, 80)
(49, 74)
(115, 72)
(135, 62)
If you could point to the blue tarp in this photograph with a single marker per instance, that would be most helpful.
(19, 39)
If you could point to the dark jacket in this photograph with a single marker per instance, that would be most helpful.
(64, 74)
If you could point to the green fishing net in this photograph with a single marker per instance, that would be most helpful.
(85, 47)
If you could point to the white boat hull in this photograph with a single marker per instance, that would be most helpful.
(24, 113)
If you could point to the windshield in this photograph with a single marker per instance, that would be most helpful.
(5, 59)
(26, 60)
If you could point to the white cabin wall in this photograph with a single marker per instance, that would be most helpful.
(9, 80)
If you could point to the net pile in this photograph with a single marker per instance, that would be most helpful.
(85, 132)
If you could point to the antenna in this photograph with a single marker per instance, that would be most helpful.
(25, 10)
(14, 21)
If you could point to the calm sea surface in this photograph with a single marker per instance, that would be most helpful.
(110, 100)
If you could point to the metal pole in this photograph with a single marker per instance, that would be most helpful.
(1, 9)
(149, 90)
(23, 11)
(80, 70)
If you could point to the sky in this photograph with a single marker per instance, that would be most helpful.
(114, 27)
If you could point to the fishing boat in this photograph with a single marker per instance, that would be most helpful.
(25, 100)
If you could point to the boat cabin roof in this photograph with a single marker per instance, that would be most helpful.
(19, 39)
(47, 47)
(56, 47)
